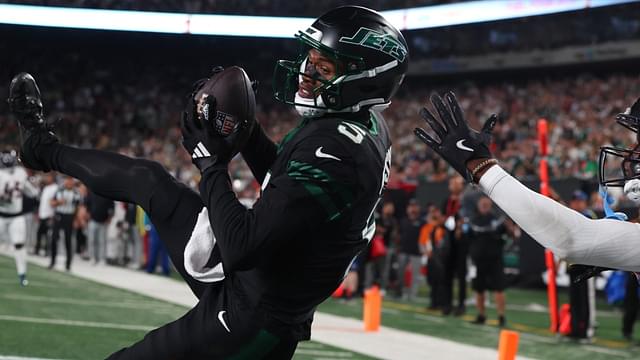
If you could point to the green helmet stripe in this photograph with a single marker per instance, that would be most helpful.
(332, 195)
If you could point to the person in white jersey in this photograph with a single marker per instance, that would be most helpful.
(14, 185)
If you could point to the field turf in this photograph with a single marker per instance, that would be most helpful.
(526, 313)
(61, 316)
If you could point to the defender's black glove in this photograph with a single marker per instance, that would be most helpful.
(458, 142)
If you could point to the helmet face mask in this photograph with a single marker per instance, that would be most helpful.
(8, 159)
(369, 57)
(317, 79)
(618, 166)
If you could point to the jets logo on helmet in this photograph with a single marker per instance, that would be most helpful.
(379, 41)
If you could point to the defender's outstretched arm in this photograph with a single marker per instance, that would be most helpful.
(569, 234)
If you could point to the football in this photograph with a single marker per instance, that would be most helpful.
(236, 102)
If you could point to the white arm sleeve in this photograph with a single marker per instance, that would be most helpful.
(569, 234)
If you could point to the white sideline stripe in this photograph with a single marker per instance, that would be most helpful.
(9, 357)
(76, 323)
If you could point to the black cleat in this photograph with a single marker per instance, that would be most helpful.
(480, 320)
(25, 104)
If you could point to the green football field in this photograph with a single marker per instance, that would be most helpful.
(65, 317)
(61, 316)
(526, 313)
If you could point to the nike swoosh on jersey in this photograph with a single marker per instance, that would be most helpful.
(221, 318)
(461, 146)
(321, 154)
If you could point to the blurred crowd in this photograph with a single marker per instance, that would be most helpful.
(580, 112)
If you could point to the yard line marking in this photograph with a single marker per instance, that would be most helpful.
(390, 311)
(54, 300)
(606, 351)
(327, 353)
(538, 338)
(31, 283)
(434, 319)
(9, 357)
(76, 323)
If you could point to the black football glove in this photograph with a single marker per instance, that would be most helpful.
(458, 142)
(201, 135)
(207, 148)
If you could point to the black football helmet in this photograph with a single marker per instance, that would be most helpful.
(370, 56)
(8, 159)
(619, 166)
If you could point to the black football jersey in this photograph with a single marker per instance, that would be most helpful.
(314, 216)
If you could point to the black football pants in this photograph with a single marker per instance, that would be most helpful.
(221, 325)
(62, 222)
(43, 231)
(579, 304)
(630, 305)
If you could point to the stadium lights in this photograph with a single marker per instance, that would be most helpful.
(281, 27)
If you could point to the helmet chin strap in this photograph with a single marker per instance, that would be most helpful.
(312, 105)
(632, 190)
(308, 111)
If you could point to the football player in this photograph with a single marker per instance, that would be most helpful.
(315, 214)
(605, 243)
(14, 185)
